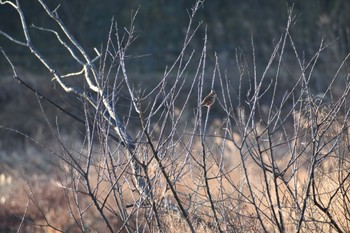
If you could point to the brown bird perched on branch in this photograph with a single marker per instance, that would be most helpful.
(209, 100)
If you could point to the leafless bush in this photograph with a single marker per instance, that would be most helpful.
(266, 164)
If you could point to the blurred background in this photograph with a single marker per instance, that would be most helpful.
(161, 27)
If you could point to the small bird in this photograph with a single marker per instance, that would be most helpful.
(209, 100)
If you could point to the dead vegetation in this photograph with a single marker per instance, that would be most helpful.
(150, 161)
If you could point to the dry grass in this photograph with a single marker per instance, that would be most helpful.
(47, 192)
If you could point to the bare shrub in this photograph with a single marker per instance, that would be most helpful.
(263, 161)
